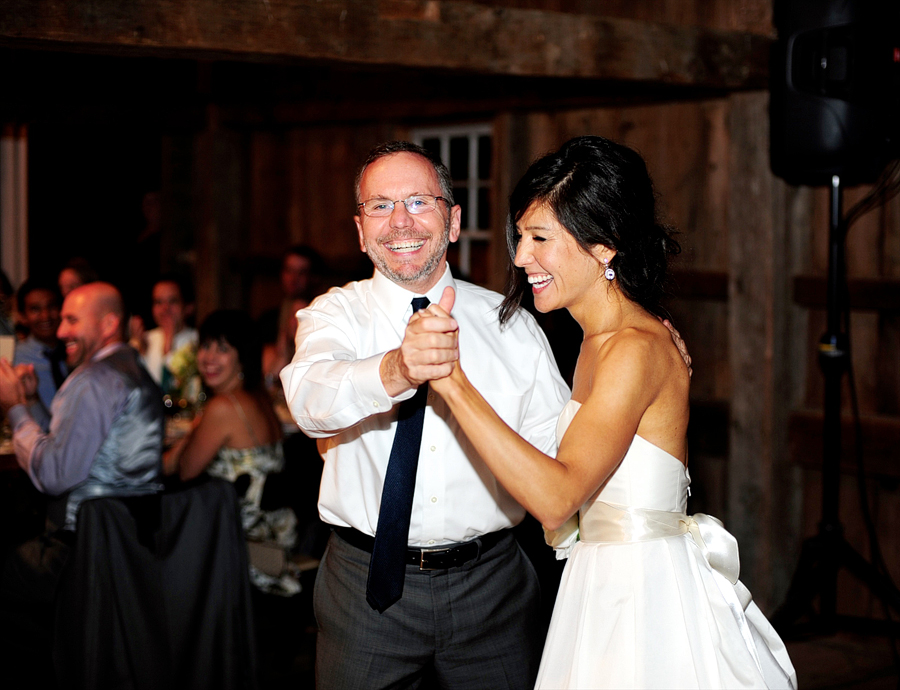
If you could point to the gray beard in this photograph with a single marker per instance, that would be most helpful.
(434, 262)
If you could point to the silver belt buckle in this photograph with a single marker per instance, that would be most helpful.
(422, 553)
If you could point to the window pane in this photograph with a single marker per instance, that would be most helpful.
(484, 158)
(459, 158)
(484, 208)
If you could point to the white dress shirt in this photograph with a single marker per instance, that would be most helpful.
(334, 390)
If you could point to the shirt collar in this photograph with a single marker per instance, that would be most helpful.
(398, 300)
(106, 351)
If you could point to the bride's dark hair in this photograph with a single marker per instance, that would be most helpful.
(601, 192)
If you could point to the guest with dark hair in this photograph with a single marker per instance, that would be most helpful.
(38, 304)
(302, 270)
(75, 273)
(238, 437)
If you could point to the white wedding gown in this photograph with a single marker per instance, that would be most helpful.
(650, 597)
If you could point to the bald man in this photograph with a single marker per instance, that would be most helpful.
(106, 432)
(105, 439)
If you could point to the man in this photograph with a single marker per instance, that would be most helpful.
(106, 433)
(38, 305)
(105, 439)
(469, 609)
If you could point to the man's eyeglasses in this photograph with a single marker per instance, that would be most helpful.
(416, 204)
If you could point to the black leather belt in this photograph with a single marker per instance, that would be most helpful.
(438, 558)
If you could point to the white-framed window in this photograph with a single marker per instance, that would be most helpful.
(467, 150)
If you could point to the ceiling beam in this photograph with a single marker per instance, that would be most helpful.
(423, 34)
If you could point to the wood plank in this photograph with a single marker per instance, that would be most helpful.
(434, 34)
(876, 294)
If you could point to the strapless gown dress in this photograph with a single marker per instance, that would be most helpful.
(650, 597)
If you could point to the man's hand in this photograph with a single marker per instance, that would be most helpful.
(428, 351)
(12, 392)
(679, 343)
(28, 379)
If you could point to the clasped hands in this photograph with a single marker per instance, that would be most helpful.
(18, 385)
(429, 351)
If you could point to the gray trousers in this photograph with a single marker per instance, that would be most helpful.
(473, 627)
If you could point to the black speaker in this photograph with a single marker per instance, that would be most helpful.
(834, 76)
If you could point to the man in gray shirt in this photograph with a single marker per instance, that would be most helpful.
(105, 439)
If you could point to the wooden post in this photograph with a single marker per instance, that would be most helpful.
(759, 477)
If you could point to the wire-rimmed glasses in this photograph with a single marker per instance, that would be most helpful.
(415, 204)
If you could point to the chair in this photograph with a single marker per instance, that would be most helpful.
(156, 594)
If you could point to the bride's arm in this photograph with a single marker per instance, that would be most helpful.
(552, 489)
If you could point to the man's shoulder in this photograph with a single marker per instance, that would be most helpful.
(340, 297)
(477, 292)
(114, 366)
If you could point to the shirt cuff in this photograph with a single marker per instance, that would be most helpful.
(17, 415)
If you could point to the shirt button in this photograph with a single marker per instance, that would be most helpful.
(434, 499)
(433, 448)
(375, 404)
(430, 542)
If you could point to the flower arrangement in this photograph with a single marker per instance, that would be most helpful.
(185, 384)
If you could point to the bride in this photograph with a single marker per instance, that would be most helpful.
(650, 597)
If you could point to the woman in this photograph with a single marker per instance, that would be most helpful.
(238, 438)
(639, 604)
(172, 304)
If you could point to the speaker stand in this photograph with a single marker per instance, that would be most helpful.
(823, 555)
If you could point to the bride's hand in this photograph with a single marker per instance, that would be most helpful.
(442, 310)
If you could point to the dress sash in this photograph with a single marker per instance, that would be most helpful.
(609, 523)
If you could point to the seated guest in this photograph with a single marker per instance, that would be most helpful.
(38, 305)
(302, 274)
(238, 438)
(105, 439)
(172, 304)
(75, 273)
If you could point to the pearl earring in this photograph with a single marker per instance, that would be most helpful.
(608, 273)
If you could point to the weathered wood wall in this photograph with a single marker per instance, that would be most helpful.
(247, 176)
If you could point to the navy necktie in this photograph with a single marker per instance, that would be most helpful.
(387, 568)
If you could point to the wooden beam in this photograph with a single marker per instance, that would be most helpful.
(705, 285)
(866, 294)
(433, 34)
